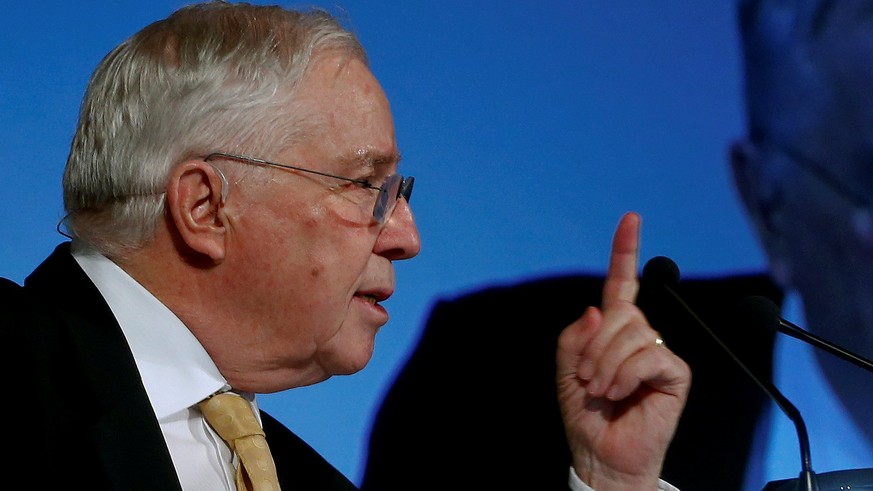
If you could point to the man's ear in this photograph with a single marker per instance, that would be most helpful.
(195, 199)
(764, 202)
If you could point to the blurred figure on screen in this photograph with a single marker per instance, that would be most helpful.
(805, 175)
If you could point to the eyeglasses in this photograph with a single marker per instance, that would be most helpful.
(394, 186)
(815, 168)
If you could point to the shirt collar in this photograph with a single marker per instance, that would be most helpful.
(176, 370)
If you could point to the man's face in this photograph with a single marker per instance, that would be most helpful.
(814, 177)
(317, 265)
(826, 236)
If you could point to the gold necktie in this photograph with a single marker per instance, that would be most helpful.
(232, 418)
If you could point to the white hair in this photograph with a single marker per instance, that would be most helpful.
(212, 76)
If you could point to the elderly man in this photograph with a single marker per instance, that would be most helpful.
(235, 210)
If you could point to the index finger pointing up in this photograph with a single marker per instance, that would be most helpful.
(621, 283)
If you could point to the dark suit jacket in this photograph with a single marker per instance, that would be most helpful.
(68, 366)
(475, 405)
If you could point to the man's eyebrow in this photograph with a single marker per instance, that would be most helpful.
(372, 159)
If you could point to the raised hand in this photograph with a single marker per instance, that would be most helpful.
(620, 390)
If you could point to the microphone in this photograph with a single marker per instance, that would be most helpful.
(763, 313)
(663, 270)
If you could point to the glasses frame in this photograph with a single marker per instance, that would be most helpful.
(386, 200)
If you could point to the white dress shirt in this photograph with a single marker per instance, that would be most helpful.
(576, 484)
(836, 442)
(176, 371)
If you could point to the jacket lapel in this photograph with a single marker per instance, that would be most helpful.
(126, 436)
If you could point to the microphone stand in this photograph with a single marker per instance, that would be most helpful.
(663, 270)
(762, 311)
(766, 314)
(807, 475)
(797, 332)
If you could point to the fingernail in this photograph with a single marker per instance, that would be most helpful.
(612, 394)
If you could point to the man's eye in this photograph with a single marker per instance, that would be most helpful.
(371, 182)
(362, 186)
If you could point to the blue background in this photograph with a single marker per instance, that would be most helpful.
(530, 128)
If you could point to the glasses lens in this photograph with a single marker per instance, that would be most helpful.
(387, 197)
(406, 188)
